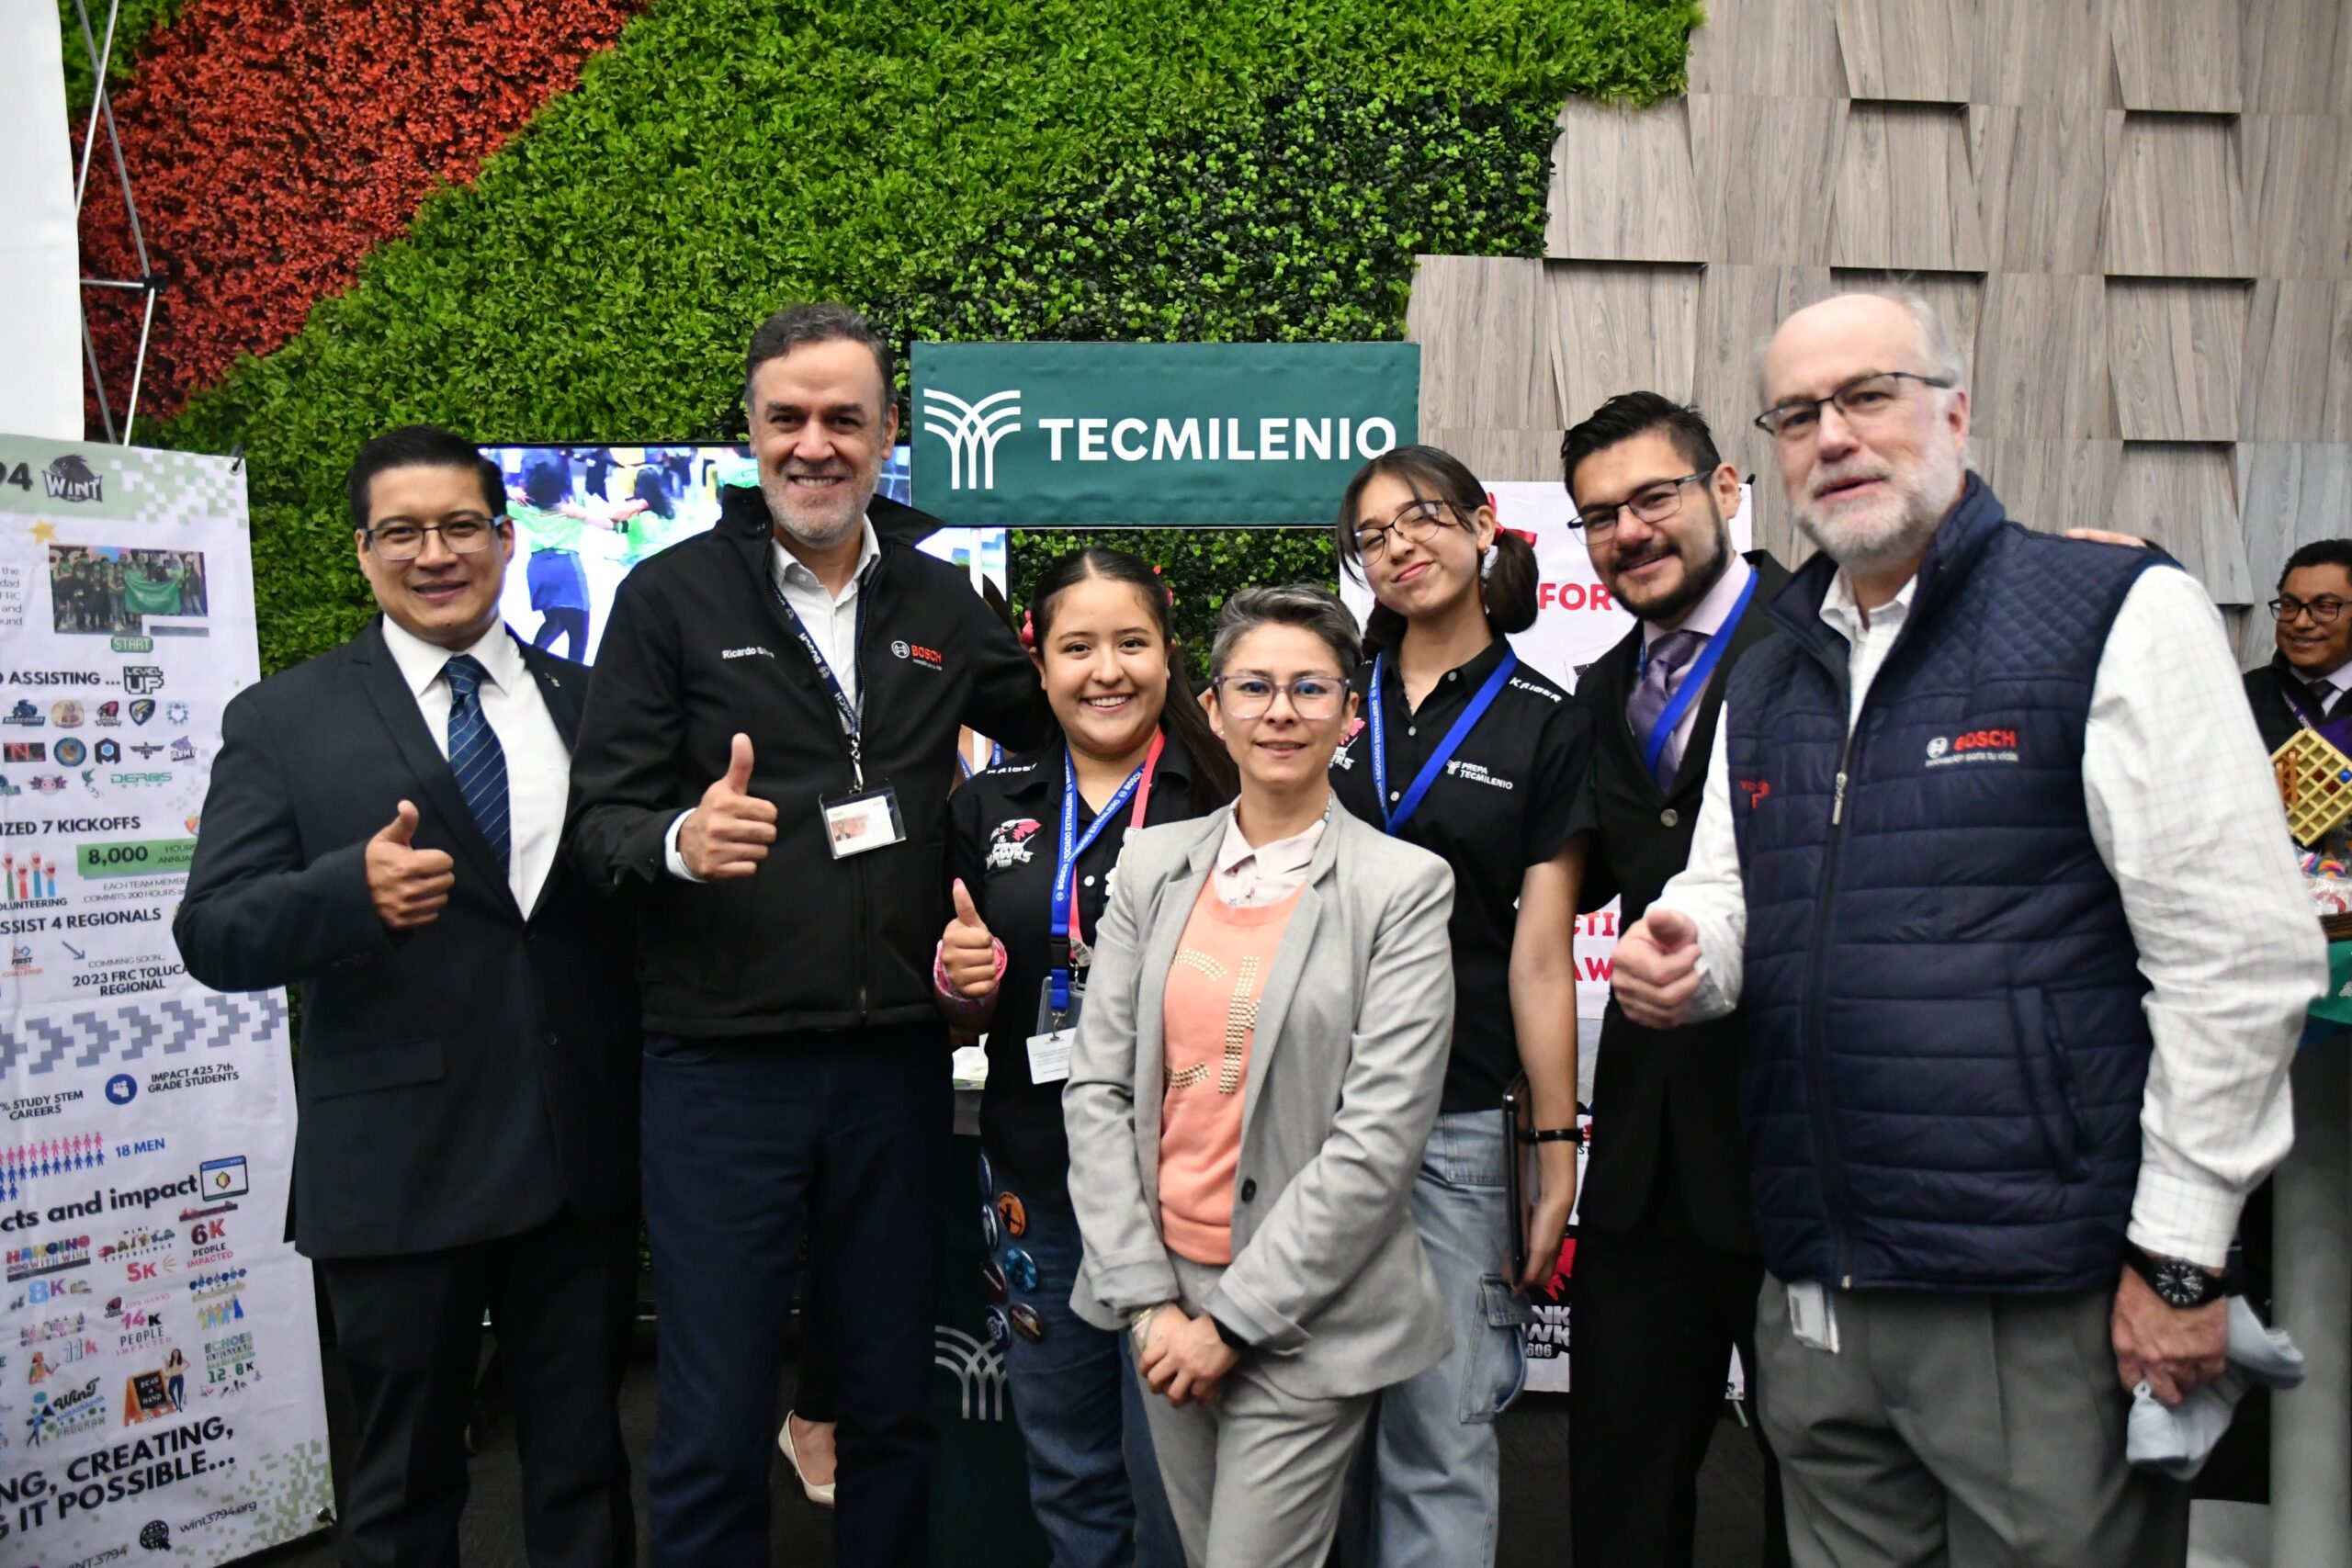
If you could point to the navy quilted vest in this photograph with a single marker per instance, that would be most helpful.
(1944, 1049)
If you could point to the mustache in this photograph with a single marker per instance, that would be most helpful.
(1662, 550)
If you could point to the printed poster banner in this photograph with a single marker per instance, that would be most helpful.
(1037, 434)
(160, 1396)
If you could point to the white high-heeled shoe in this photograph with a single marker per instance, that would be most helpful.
(821, 1495)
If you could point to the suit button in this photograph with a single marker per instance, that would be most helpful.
(1249, 1190)
(1668, 817)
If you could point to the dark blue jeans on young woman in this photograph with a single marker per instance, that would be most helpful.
(1092, 1479)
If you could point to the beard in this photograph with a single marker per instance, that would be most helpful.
(819, 524)
(1896, 527)
(1699, 577)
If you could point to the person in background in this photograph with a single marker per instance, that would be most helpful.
(1667, 1272)
(384, 827)
(1991, 864)
(549, 522)
(1255, 1073)
(2304, 684)
(1030, 844)
(763, 773)
(1481, 761)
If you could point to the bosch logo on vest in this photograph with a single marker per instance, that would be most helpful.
(1573, 596)
(1976, 746)
(929, 658)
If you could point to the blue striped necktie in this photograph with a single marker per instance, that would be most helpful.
(475, 755)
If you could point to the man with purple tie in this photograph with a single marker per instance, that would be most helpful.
(2306, 679)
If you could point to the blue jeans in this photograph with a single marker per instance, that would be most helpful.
(1092, 1479)
(1432, 1467)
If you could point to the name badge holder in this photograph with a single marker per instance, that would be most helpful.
(1394, 813)
(865, 819)
(1063, 995)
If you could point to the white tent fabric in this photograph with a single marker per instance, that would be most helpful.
(41, 308)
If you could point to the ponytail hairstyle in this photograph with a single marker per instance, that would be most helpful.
(1507, 577)
(1215, 779)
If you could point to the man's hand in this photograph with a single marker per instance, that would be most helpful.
(1185, 1358)
(728, 834)
(966, 950)
(1655, 970)
(2107, 537)
(2170, 1349)
(1549, 1221)
(409, 886)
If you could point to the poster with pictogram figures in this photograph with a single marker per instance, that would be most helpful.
(160, 1392)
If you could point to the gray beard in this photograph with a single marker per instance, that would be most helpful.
(776, 491)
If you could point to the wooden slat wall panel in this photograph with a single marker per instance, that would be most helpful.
(1917, 50)
(1774, 48)
(2174, 206)
(2297, 171)
(1503, 455)
(2175, 350)
(1486, 355)
(2052, 485)
(1763, 167)
(2179, 54)
(1622, 186)
(1905, 195)
(2298, 380)
(2184, 496)
(2042, 182)
(2297, 56)
(2291, 495)
(1738, 308)
(1615, 328)
(2045, 51)
(2041, 353)
(1957, 296)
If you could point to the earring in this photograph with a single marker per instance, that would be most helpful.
(1487, 561)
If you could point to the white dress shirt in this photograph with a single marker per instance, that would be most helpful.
(539, 764)
(1707, 618)
(830, 619)
(2186, 816)
(1249, 876)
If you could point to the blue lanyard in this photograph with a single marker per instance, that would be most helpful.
(1694, 680)
(1395, 819)
(844, 709)
(1073, 846)
(996, 755)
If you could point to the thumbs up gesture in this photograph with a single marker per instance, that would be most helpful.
(967, 950)
(408, 884)
(1655, 970)
(728, 834)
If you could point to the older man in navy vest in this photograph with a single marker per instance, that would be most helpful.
(1992, 864)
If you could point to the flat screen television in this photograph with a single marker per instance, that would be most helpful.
(585, 513)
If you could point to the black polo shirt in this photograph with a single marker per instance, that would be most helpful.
(1004, 836)
(1517, 794)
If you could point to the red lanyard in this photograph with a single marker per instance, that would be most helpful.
(1143, 794)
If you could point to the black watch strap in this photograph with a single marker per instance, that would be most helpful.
(2177, 1281)
(1556, 1136)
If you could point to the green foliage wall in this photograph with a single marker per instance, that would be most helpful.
(1207, 170)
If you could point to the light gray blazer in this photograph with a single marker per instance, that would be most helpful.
(1327, 1278)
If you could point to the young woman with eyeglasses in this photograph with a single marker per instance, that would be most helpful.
(1479, 758)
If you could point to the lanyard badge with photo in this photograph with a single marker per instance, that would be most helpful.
(1063, 995)
(864, 818)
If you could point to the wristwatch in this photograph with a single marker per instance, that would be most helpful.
(2177, 1281)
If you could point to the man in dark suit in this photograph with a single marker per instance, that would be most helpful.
(2306, 681)
(1666, 1269)
(383, 829)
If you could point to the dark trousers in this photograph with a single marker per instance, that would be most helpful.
(408, 1328)
(751, 1146)
(1654, 1318)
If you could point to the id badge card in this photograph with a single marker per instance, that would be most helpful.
(1813, 1316)
(1056, 1034)
(867, 820)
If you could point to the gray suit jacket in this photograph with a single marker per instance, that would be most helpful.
(1327, 1278)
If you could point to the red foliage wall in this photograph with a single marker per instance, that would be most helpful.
(273, 144)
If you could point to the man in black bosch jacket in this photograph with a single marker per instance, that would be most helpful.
(795, 1076)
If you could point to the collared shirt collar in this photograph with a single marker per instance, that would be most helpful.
(1037, 772)
(1840, 610)
(1467, 674)
(421, 662)
(2340, 678)
(789, 566)
(1708, 615)
(1283, 858)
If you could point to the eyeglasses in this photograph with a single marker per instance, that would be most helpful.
(1416, 521)
(2323, 609)
(466, 536)
(1861, 400)
(1312, 697)
(1651, 503)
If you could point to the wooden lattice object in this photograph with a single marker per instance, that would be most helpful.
(2314, 784)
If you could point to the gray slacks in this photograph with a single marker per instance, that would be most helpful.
(1254, 1479)
(1960, 1431)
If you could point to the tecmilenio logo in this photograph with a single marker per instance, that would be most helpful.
(971, 431)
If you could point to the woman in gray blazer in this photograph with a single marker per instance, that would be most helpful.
(1257, 1065)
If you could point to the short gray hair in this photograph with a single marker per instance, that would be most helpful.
(823, 322)
(1937, 345)
(1307, 604)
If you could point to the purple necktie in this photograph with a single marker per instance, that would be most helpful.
(1669, 656)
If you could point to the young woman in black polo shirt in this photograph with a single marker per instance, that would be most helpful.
(1135, 749)
(1475, 757)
